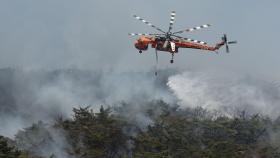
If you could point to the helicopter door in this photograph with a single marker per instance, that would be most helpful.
(172, 46)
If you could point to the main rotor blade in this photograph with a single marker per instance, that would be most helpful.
(172, 20)
(148, 23)
(190, 40)
(143, 34)
(193, 29)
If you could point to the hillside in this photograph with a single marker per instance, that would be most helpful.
(171, 132)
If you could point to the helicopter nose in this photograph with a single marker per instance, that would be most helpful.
(140, 46)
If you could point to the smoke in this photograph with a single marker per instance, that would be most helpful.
(31, 96)
(41, 139)
(226, 93)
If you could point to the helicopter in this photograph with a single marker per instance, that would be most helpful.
(168, 41)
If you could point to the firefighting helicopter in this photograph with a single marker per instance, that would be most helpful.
(168, 41)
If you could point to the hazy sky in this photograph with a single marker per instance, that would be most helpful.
(92, 34)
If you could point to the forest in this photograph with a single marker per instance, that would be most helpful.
(163, 130)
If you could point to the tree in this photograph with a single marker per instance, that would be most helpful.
(99, 133)
(6, 151)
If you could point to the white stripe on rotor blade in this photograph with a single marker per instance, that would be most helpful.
(195, 41)
(140, 34)
(148, 23)
(198, 27)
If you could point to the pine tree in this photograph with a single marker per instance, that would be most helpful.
(6, 151)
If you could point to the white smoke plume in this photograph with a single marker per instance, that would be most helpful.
(226, 93)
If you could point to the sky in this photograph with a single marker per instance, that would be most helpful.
(93, 34)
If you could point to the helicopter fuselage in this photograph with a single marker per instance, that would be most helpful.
(159, 43)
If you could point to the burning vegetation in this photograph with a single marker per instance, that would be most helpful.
(172, 132)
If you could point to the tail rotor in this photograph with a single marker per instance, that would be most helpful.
(226, 42)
